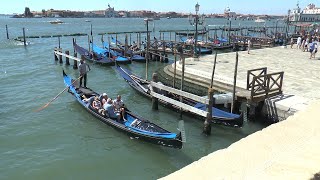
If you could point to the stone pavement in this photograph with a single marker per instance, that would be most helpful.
(301, 75)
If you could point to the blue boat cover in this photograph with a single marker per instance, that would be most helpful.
(100, 51)
(217, 112)
(114, 53)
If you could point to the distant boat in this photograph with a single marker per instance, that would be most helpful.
(168, 17)
(87, 20)
(258, 20)
(57, 21)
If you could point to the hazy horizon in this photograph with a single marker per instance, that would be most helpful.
(270, 7)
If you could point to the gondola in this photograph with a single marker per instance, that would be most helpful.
(200, 50)
(109, 53)
(93, 57)
(133, 125)
(191, 33)
(130, 53)
(142, 86)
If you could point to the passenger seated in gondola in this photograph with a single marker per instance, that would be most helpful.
(96, 104)
(103, 98)
(109, 108)
(118, 103)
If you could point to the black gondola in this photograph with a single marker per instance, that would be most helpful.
(219, 116)
(92, 57)
(132, 124)
(191, 33)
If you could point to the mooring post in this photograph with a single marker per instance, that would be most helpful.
(156, 44)
(67, 58)
(60, 56)
(75, 64)
(182, 80)
(154, 99)
(175, 70)
(7, 31)
(24, 37)
(54, 54)
(214, 69)
(207, 122)
(234, 82)
(59, 42)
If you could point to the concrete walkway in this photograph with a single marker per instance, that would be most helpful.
(286, 150)
(289, 149)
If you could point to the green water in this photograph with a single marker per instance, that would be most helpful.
(65, 142)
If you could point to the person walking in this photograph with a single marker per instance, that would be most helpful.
(83, 72)
(299, 42)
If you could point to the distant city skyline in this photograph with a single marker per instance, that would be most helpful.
(271, 7)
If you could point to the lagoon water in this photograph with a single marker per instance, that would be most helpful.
(63, 141)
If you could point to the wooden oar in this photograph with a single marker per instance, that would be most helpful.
(46, 105)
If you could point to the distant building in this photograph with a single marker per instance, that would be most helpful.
(123, 14)
(228, 13)
(99, 13)
(27, 13)
(310, 14)
(110, 12)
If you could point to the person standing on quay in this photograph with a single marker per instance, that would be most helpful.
(249, 45)
(83, 72)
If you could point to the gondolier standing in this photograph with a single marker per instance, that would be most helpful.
(180, 51)
(83, 72)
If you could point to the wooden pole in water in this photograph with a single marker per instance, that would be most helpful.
(91, 37)
(116, 40)
(7, 31)
(175, 70)
(24, 37)
(207, 122)
(109, 54)
(89, 43)
(67, 58)
(214, 69)
(229, 32)
(234, 82)
(154, 99)
(139, 42)
(182, 80)
(60, 56)
(59, 42)
(148, 46)
(54, 54)
(126, 46)
(75, 65)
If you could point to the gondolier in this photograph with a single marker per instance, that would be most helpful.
(83, 72)
(180, 51)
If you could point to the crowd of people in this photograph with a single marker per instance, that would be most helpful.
(307, 43)
(107, 107)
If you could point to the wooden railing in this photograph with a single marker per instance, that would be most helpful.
(266, 85)
(253, 73)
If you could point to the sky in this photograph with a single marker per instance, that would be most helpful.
(273, 7)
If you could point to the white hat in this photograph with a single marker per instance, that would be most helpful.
(104, 94)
